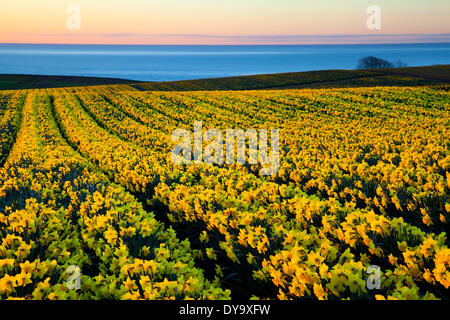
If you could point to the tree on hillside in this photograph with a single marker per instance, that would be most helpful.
(374, 63)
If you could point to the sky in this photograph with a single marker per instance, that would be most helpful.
(222, 21)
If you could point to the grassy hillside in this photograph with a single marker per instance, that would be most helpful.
(412, 76)
(437, 73)
(23, 81)
(264, 81)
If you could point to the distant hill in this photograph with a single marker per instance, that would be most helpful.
(264, 81)
(23, 81)
(437, 73)
(416, 76)
(411, 76)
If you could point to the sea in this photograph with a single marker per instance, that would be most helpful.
(183, 62)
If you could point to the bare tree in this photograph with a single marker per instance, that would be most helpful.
(373, 63)
(400, 64)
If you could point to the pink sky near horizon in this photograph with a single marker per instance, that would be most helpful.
(223, 22)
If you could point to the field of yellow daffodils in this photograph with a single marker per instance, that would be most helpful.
(88, 189)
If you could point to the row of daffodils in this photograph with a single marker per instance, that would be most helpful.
(363, 183)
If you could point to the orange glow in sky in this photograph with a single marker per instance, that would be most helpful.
(222, 21)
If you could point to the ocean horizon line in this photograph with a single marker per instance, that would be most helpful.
(222, 45)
